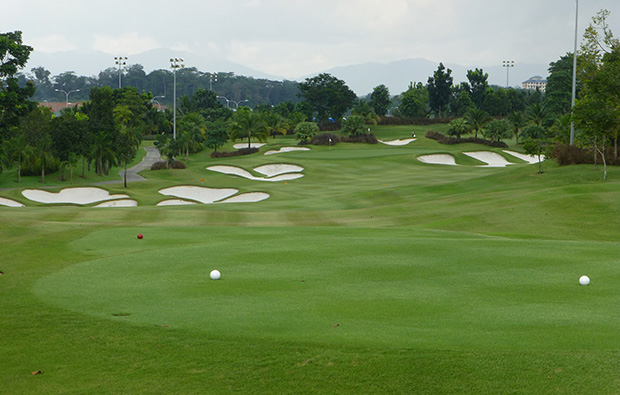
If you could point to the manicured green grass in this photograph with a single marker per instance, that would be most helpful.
(374, 273)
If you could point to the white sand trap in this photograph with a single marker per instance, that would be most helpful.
(119, 203)
(397, 142)
(286, 149)
(493, 159)
(245, 145)
(9, 203)
(250, 197)
(199, 194)
(175, 202)
(438, 159)
(531, 159)
(276, 170)
(281, 172)
(71, 195)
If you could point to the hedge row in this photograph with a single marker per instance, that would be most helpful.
(414, 121)
(161, 165)
(331, 139)
(431, 134)
(566, 154)
(228, 154)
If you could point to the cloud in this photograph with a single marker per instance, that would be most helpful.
(131, 43)
(51, 43)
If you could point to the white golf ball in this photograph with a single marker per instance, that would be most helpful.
(215, 275)
(584, 280)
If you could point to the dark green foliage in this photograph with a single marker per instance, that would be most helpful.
(431, 134)
(353, 126)
(380, 99)
(327, 96)
(325, 139)
(413, 121)
(439, 89)
(229, 154)
(161, 165)
(306, 131)
(178, 164)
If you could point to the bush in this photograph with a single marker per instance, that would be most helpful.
(367, 138)
(413, 121)
(178, 164)
(325, 139)
(161, 165)
(228, 154)
(431, 134)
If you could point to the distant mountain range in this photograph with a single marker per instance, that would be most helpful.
(361, 78)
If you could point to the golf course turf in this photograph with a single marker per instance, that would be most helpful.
(373, 273)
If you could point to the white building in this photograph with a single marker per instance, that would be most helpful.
(534, 83)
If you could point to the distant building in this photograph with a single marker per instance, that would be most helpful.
(57, 106)
(534, 83)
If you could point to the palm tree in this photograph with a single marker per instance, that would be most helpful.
(101, 150)
(518, 122)
(277, 123)
(20, 151)
(457, 127)
(477, 119)
(538, 114)
(41, 151)
(246, 123)
(193, 128)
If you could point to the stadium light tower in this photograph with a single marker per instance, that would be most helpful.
(574, 91)
(508, 64)
(175, 64)
(120, 61)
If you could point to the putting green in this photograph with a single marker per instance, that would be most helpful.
(386, 287)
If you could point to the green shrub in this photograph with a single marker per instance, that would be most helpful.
(441, 139)
(228, 154)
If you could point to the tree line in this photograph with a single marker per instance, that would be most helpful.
(108, 128)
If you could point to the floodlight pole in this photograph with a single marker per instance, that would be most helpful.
(120, 61)
(212, 79)
(508, 64)
(175, 63)
(574, 91)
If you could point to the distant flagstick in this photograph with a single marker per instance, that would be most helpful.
(572, 123)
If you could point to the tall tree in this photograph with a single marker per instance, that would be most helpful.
(380, 99)
(14, 100)
(414, 102)
(439, 89)
(327, 96)
(478, 85)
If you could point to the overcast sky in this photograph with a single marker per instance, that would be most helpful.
(292, 38)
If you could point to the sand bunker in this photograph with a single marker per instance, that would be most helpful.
(245, 145)
(250, 197)
(438, 159)
(286, 149)
(397, 142)
(85, 195)
(175, 202)
(492, 159)
(199, 194)
(279, 172)
(208, 196)
(119, 203)
(531, 159)
(9, 203)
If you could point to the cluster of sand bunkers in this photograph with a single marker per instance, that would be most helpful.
(183, 195)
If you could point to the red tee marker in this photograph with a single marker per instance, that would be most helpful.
(140, 236)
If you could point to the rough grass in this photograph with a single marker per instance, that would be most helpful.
(374, 273)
